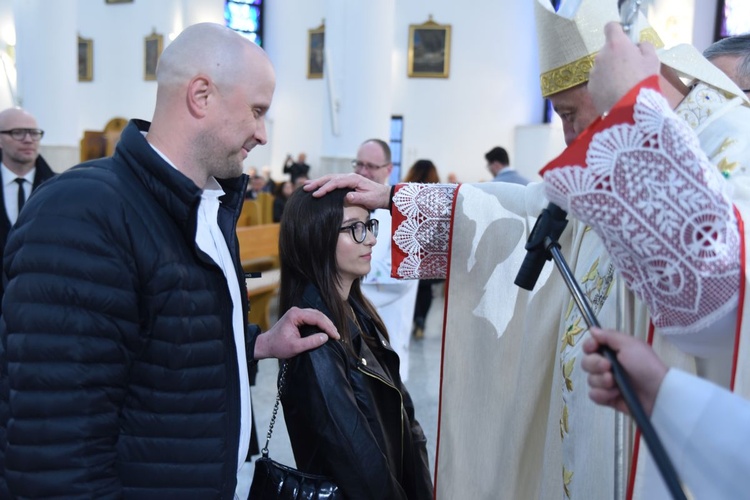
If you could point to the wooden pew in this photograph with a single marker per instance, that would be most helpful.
(259, 253)
(101, 143)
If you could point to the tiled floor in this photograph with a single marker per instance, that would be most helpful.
(423, 385)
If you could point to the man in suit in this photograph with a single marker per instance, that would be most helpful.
(21, 166)
(498, 164)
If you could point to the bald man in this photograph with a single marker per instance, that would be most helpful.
(124, 318)
(22, 169)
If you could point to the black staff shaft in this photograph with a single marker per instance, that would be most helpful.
(667, 470)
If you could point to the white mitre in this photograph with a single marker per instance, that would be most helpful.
(570, 38)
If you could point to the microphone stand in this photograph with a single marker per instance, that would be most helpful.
(541, 246)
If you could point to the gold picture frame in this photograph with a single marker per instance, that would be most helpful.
(316, 42)
(152, 47)
(85, 59)
(429, 50)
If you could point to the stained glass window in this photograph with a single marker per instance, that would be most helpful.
(733, 18)
(246, 18)
(396, 142)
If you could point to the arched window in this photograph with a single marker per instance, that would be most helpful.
(246, 18)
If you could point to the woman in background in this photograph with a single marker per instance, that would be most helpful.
(348, 414)
(282, 193)
(423, 171)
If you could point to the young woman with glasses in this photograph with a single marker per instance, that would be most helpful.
(348, 414)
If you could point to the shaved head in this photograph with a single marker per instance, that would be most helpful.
(206, 48)
(18, 155)
(214, 89)
(16, 118)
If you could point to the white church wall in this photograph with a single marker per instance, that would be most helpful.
(491, 97)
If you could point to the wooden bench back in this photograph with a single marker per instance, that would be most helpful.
(259, 242)
(259, 252)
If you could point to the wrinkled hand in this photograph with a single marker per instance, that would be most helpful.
(618, 67)
(643, 366)
(367, 193)
(284, 341)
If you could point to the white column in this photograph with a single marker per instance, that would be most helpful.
(46, 59)
(358, 41)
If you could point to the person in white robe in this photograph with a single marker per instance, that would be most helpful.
(703, 427)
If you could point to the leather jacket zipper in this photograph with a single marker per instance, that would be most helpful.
(369, 373)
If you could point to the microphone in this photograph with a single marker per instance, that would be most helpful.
(551, 222)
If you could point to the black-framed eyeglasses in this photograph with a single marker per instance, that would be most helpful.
(19, 134)
(356, 165)
(359, 229)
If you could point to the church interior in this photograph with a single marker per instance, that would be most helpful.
(345, 71)
(487, 94)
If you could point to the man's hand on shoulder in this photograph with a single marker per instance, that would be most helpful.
(284, 340)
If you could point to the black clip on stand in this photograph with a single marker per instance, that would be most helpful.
(541, 246)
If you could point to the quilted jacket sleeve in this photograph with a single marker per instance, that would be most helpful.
(66, 339)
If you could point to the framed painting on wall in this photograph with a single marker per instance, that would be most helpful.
(152, 47)
(315, 49)
(85, 59)
(429, 50)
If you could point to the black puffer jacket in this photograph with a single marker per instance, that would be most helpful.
(353, 420)
(43, 173)
(118, 358)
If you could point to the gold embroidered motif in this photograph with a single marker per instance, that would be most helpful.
(651, 36)
(592, 274)
(569, 338)
(567, 76)
(724, 146)
(567, 372)
(567, 478)
(726, 168)
(564, 422)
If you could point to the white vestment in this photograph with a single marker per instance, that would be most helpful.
(706, 431)
(515, 418)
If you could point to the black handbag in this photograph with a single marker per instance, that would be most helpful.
(272, 480)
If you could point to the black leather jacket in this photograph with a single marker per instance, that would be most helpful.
(353, 420)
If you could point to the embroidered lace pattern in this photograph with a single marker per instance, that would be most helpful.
(663, 213)
(424, 235)
(699, 104)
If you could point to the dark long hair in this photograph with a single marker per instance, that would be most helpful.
(308, 237)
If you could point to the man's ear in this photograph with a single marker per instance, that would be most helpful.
(199, 92)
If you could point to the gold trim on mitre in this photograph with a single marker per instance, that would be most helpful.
(568, 40)
(577, 72)
(568, 76)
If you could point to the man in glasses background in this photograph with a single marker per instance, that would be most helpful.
(22, 167)
(394, 299)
